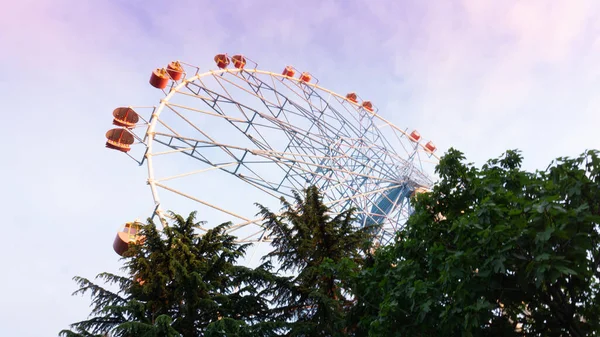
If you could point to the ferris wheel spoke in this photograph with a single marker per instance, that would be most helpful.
(199, 144)
(218, 80)
(264, 188)
(410, 152)
(360, 195)
(316, 165)
(352, 184)
(332, 130)
(353, 161)
(200, 201)
(285, 125)
(355, 113)
(186, 174)
(245, 110)
(328, 161)
(273, 186)
(295, 168)
(176, 136)
(250, 238)
(254, 221)
(268, 104)
(360, 159)
(194, 153)
(255, 89)
(314, 113)
(277, 122)
(233, 122)
(310, 95)
(256, 92)
(214, 100)
(175, 150)
(346, 125)
(260, 87)
(206, 112)
(197, 129)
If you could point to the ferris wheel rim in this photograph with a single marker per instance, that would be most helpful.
(176, 87)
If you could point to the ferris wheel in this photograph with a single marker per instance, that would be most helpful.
(227, 138)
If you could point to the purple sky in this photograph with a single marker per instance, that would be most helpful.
(481, 76)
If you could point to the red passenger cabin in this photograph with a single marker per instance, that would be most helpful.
(352, 97)
(119, 139)
(368, 105)
(415, 136)
(222, 61)
(430, 147)
(129, 235)
(175, 70)
(288, 71)
(125, 117)
(159, 78)
(305, 77)
(239, 61)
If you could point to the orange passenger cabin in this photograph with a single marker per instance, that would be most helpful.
(288, 71)
(430, 147)
(129, 235)
(305, 77)
(352, 97)
(239, 61)
(159, 78)
(415, 136)
(418, 190)
(222, 61)
(368, 105)
(175, 70)
(119, 139)
(125, 117)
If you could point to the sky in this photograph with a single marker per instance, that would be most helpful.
(481, 76)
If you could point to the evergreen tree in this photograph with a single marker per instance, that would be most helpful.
(322, 252)
(180, 284)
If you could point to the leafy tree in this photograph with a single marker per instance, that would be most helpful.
(322, 251)
(495, 251)
(180, 284)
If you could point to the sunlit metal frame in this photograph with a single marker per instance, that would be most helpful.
(369, 158)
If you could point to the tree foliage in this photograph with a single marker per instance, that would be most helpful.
(493, 251)
(321, 251)
(180, 284)
(490, 251)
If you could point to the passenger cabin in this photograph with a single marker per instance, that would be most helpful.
(368, 105)
(125, 117)
(305, 77)
(222, 61)
(159, 78)
(415, 136)
(175, 70)
(119, 139)
(430, 147)
(239, 61)
(288, 71)
(129, 235)
(352, 97)
(418, 190)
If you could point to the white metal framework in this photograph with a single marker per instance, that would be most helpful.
(231, 137)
